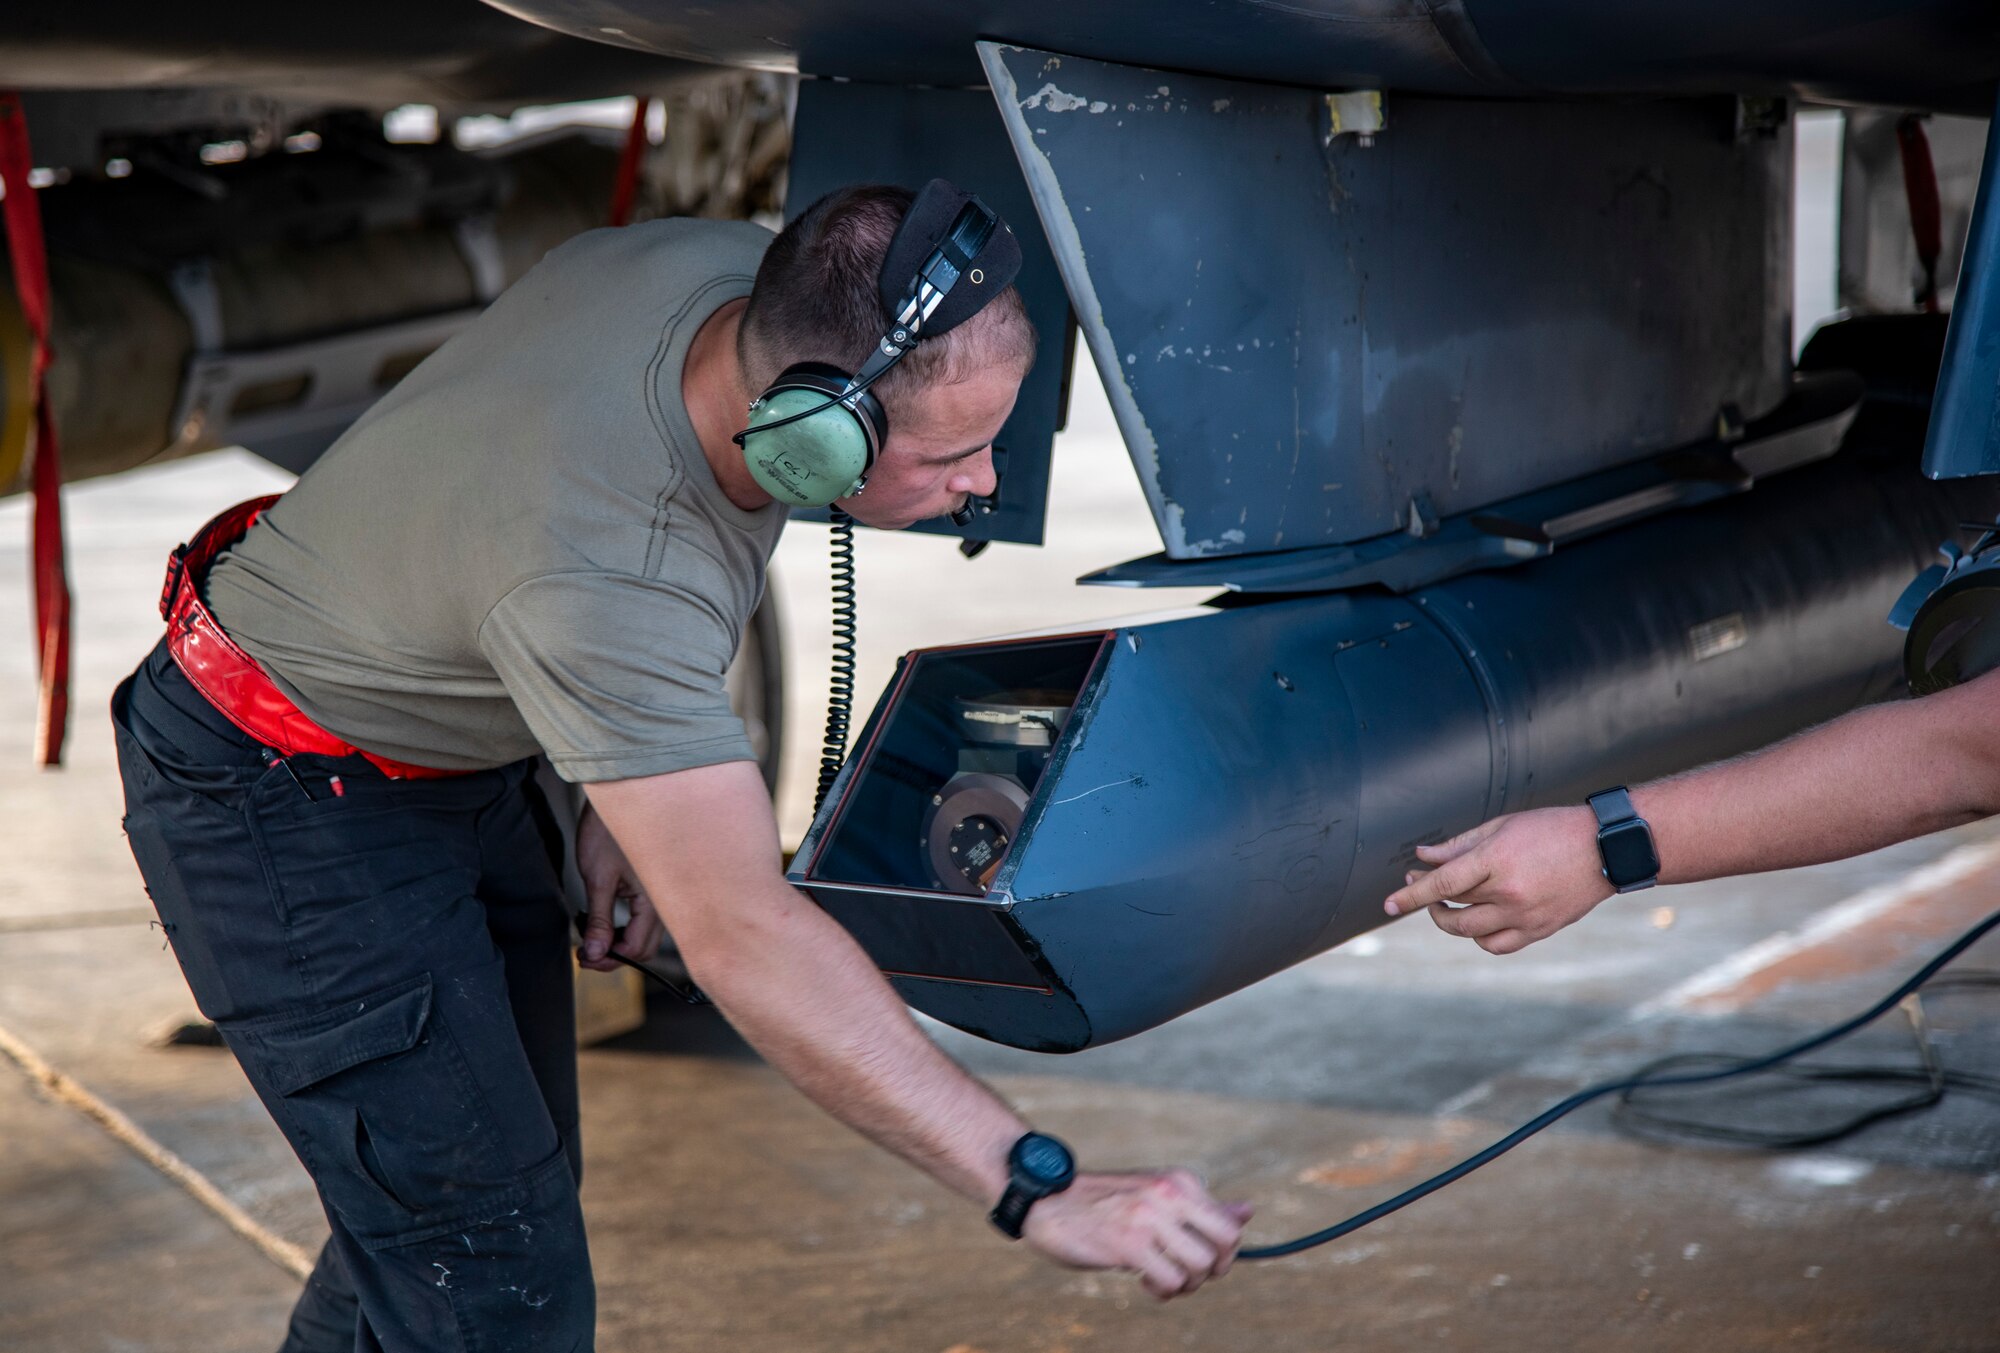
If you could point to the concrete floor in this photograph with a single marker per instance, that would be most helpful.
(727, 1213)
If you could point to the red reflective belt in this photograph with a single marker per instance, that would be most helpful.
(229, 678)
(31, 286)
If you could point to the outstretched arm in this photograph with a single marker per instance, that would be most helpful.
(1868, 779)
(802, 992)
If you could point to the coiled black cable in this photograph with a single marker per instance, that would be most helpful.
(1930, 1080)
(1642, 1080)
(840, 689)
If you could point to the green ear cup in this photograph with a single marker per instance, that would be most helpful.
(811, 462)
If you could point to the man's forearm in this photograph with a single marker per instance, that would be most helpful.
(1866, 780)
(704, 849)
(700, 846)
(805, 995)
(1873, 777)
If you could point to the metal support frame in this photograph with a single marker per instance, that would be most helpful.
(288, 404)
(1805, 428)
(1308, 335)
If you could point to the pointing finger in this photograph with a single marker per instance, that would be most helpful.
(1453, 880)
(1445, 851)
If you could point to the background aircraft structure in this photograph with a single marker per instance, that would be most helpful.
(1451, 343)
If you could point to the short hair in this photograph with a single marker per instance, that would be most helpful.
(816, 299)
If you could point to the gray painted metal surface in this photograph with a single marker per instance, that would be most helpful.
(1805, 428)
(1921, 53)
(1965, 420)
(853, 133)
(1239, 790)
(1303, 333)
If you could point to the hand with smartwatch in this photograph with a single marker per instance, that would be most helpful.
(1522, 877)
(1872, 777)
(1163, 1226)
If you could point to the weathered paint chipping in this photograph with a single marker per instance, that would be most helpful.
(1068, 247)
(1424, 273)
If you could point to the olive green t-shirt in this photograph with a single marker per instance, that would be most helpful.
(522, 548)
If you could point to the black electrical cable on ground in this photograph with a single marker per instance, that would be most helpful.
(1930, 1078)
(1628, 1084)
(840, 690)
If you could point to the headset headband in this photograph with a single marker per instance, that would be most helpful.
(947, 238)
(916, 304)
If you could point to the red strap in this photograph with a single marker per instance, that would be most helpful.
(625, 188)
(230, 679)
(1926, 215)
(31, 285)
(192, 559)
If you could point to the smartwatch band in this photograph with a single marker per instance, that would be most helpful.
(1612, 806)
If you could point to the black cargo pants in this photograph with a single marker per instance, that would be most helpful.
(390, 964)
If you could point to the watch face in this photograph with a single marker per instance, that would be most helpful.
(1628, 853)
(1044, 1159)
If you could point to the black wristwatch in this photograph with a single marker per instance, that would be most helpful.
(1624, 841)
(1037, 1166)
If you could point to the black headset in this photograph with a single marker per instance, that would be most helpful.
(951, 255)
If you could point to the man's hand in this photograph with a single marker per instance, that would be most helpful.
(1517, 879)
(608, 876)
(807, 997)
(1164, 1227)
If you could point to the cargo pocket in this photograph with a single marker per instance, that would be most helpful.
(377, 1099)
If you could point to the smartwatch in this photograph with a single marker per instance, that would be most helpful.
(1624, 841)
(1037, 1166)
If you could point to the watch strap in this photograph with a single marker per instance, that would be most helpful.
(1612, 806)
(1011, 1214)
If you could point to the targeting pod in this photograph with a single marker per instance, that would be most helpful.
(1058, 841)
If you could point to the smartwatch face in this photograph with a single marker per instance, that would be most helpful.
(1045, 1159)
(1628, 853)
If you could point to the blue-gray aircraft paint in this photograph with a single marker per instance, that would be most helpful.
(1965, 419)
(1308, 335)
(1239, 790)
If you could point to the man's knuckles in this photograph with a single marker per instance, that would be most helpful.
(1454, 920)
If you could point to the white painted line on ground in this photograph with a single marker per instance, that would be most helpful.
(1855, 912)
(64, 1090)
(1465, 1099)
